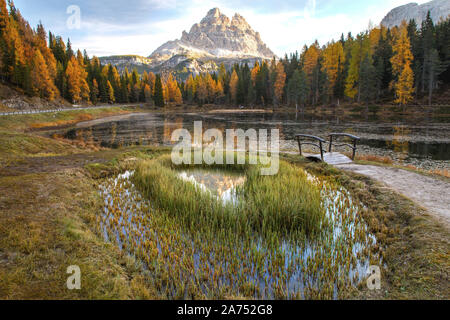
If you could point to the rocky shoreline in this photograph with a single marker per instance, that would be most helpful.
(398, 158)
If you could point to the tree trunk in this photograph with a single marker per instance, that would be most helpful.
(430, 87)
(424, 67)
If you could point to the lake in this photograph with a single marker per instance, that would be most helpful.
(422, 140)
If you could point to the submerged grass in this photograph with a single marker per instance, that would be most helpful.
(289, 236)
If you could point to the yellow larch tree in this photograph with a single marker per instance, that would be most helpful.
(311, 59)
(76, 77)
(73, 82)
(333, 63)
(110, 92)
(212, 87)
(151, 82)
(190, 88)
(202, 89)
(255, 70)
(401, 67)
(219, 90)
(173, 91)
(147, 93)
(41, 82)
(234, 86)
(280, 81)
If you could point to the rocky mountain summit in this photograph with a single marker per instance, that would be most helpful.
(216, 39)
(218, 36)
(438, 9)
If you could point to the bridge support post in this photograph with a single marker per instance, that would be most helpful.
(321, 150)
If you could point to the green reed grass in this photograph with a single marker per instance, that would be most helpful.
(283, 204)
(286, 202)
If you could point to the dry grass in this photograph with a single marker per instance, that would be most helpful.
(83, 141)
(62, 118)
(374, 158)
(16, 142)
(4, 108)
(60, 123)
(387, 161)
(45, 226)
(15, 146)
(441, 172)
(437, 172)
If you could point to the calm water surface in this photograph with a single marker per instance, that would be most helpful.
(423, 137)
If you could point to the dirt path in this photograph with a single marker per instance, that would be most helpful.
(431, 194)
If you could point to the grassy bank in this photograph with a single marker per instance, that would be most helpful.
(18, 141)
(29, 122)
(46, 225)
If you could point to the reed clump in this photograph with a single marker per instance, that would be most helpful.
(284, 203)
(290, 236)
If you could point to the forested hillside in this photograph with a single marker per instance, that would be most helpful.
(398, 65)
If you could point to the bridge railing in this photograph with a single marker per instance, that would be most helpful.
(354, 141)
(306, 139)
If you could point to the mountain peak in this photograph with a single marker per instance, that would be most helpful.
(240, 22)
(214, 12)
(214, 16)
(438, 9)
(217, 36)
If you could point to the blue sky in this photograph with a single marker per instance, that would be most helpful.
(140, 26)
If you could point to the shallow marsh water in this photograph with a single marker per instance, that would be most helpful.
(223, 185)
(187, 266)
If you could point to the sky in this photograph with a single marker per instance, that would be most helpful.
(115, 27)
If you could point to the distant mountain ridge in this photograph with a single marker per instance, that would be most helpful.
(215, 40)
(128, 61)
(438, 9)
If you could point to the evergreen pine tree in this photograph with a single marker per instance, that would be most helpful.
(159, 95)
(367, 81)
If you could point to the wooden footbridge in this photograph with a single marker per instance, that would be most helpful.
(330, 157)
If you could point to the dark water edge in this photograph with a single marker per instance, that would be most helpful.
(421, 150)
